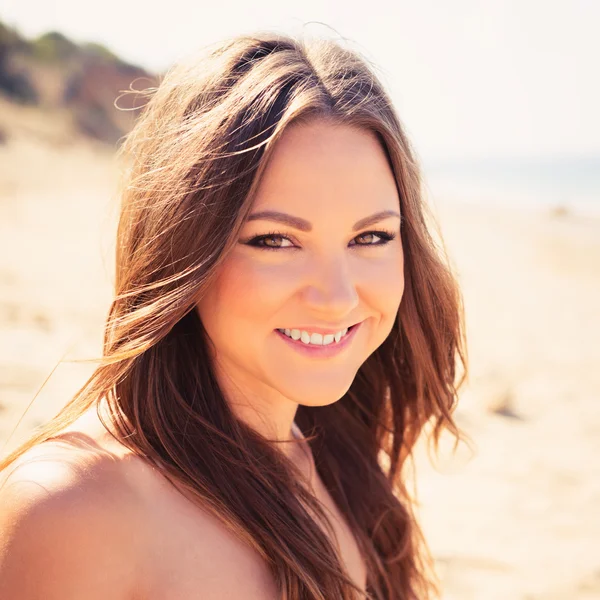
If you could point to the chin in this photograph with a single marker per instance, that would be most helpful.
(321, 401)
(317, 395)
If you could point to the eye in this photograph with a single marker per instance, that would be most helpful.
(270, 241)
(274, 239)
(384, 237)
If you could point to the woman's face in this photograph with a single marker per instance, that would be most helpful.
(320, 269)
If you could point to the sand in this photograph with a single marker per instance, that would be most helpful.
(518, 517)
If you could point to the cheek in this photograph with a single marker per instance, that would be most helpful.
(244, 296)
(382, 284)
(381, 292)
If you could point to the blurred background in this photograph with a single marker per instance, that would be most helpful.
(500, 100)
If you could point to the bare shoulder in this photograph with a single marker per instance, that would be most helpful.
(192, 554)
(68, 518)
(93, 520)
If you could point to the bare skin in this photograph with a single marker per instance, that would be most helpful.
(169, 547)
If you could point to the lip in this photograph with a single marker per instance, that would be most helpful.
(315, 351)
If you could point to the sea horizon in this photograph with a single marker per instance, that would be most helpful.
(570, 182)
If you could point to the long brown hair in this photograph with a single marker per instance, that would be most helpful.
(194, 160)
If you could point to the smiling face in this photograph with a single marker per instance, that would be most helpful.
(323, 266)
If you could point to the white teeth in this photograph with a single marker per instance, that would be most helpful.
(316, 339)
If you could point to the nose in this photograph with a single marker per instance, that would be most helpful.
(331, 288)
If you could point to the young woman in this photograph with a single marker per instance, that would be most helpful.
(283, 329)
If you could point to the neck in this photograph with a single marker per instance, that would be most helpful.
(262, 408)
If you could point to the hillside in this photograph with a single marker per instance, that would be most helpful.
(77, 85)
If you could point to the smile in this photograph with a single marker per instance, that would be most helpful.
(317, 339)
(316, 344)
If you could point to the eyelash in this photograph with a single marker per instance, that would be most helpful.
(386, 237)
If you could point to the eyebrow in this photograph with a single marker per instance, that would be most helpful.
(304, 225)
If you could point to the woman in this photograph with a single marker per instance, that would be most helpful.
(283, 329)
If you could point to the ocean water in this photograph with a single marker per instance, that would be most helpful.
(573, 182)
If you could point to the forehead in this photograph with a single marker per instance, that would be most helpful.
(320, 168)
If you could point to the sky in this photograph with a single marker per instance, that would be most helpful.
(470, 78)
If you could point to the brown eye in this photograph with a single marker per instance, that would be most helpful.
(368, 236)
(270, 241)
(384, 238)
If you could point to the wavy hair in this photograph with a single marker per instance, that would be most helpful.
(193, 163)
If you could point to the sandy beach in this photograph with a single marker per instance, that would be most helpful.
(515, 518)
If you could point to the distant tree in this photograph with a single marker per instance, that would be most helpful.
(100, 51)
(54, 47)
(14, 82)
